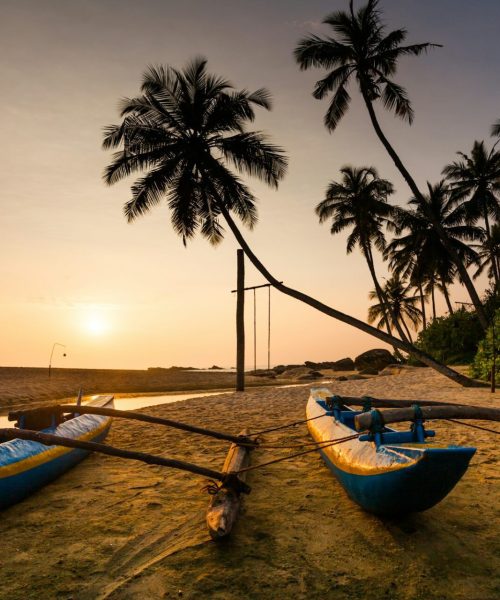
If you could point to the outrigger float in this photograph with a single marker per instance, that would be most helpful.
(389, 472)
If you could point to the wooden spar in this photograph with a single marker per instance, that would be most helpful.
(126, 414)
(48, 439)
(224, 506)
(365, 420)
(385, 402)
(240, 323)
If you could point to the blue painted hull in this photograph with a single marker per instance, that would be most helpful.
(394, 478)
(414, 489)
(26, 466)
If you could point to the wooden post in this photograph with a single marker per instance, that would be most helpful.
(224, 506)
(240, 323)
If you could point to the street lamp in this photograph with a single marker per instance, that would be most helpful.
(52, 353)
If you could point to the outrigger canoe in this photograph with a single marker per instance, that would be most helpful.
(26, 466)
(388, 473)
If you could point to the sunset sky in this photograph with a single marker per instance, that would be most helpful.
(131, 296)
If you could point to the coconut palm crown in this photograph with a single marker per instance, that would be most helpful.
(185, 131)
(475, 181)
(360, 50)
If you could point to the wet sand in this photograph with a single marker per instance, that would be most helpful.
(124, 530)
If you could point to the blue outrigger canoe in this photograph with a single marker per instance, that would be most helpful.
(392, 473)
(26, 466)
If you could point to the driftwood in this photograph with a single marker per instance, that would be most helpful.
(224, 506)
(125, 414)
(48, 439)
(396, 415)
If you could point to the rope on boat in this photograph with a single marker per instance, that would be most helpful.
(474, 426)
(289, 457)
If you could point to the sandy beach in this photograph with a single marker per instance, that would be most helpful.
(124, 530)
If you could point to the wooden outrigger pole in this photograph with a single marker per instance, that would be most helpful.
(48, 439)
(34, 413)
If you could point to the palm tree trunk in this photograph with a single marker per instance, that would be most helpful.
(382, 297)
(437, 226)
(407, 331)
(433, 301)
(422, 303)
(447, 297)
(332, 312)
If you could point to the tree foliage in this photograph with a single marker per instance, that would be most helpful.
(452, 339)
(483, 361)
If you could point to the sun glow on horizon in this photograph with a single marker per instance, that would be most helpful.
(96, 324)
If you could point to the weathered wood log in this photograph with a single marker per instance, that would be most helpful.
(125, 414)
(386, 402)
(365, 420)
(224, 506)
(47, 439)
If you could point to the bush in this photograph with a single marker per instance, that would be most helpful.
(452, 340)
(483, 361)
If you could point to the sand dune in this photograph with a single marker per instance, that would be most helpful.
(110, 529)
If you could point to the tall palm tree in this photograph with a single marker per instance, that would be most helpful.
(421, 250)
(360, 51)
(475, 183)
(359, 203)
(185, 133)
(404, 308)
(488, 256)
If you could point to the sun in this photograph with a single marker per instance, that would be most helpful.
(96, 324)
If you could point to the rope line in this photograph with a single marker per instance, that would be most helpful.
(474, 426)
(287, 425)
(283, 458)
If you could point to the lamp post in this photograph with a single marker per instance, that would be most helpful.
(52, 353)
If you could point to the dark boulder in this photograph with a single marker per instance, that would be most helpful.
(377, 359)
(344, 364)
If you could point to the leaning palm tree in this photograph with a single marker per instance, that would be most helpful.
(404, 308)
(186, 135)
(361, 52)
(475, 184)
(359, 203)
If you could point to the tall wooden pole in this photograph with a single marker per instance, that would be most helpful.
(240, 323)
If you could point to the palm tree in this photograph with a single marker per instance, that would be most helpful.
(359, 202)
(488, 256)
(475, 182)
(422, 251)
(403, 306)
(184, 133)
(361, 52)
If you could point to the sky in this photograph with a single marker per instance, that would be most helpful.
(120, 295)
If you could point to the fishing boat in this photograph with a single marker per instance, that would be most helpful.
(26, 466)
(386, 472)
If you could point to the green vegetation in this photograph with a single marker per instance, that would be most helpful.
(452, 339)
(490, 345)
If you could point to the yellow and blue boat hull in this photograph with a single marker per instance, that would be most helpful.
(26, 466)
(388, 479)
